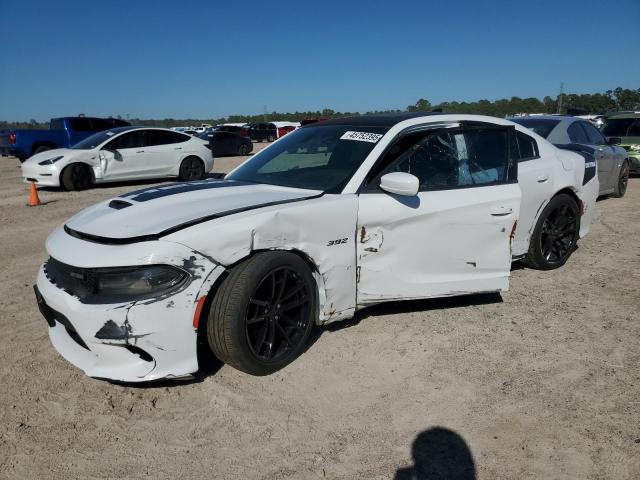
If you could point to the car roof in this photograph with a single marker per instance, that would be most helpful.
(625, 115)
(119, 129)
(376, 120)
(546, 117)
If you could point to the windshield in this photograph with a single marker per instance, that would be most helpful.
(540, 126)
(617, 127)
(95, 140)
(317, 158)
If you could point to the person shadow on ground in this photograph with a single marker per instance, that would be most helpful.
(439, 454)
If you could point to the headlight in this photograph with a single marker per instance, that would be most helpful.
(138, 282)
(115, 285)
(50, 161)
(635, 148)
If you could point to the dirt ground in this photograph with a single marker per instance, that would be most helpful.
(542, 382)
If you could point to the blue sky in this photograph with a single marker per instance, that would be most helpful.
(203, 59)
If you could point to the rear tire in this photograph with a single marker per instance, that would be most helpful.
(556, 234)
(243, 150)
(76, 176)
(271, 138)
(623, 179)
(263, 313)
(191, 168)
(40, 149)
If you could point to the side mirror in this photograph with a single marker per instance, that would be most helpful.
(614, 140)
(400, 183)
(116, 154)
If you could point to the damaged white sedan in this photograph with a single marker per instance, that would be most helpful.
(333, 217)
(120, 154)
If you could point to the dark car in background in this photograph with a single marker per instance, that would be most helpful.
(237, 129)
(263, 131)
(226, 144)
(580, 135)
(626, 128)
(62, 133)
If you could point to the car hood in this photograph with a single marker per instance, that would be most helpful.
(154, 212)
(46, 155)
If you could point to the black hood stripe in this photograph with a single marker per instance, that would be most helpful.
(156, 236)
(152, 193)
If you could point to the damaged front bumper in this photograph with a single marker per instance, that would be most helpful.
(131, 342)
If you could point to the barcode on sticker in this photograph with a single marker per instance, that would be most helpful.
(589, 164)
(361, 136)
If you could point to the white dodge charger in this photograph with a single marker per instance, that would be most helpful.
(333, 217)
(124, 153)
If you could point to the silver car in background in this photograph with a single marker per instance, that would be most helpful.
(574, 133)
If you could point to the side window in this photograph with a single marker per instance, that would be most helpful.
(80, 124)
(163, 137)
(456, 159)
(127, 140)
(577, 134)
(634, 129)
(527, 147)
(593, 134)
(99, 124)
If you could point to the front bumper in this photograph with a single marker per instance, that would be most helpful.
(130, 342)
(47, 176)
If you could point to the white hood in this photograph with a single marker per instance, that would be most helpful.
(158, 211)
(47, 154)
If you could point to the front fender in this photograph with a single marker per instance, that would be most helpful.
(322, 229)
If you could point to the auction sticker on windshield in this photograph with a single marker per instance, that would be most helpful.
(361, 136)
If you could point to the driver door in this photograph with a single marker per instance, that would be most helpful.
(454, 237)
(124, 157)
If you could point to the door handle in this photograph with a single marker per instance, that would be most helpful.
(542, 178)
(140, 151)
(501, 211)
(178, 148)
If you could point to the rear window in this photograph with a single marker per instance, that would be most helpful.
(540, 126)
(527, 148)
(577, 134)
(617, 127)
(56, 124)
(80, 124)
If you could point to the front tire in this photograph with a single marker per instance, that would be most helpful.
(40, 149)
(556, 234)
(191, 168)
(263, 313)
(623, 180)
(76, 176)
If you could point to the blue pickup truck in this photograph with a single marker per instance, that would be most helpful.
(62, 133)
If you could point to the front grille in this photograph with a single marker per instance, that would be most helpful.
(79, 282)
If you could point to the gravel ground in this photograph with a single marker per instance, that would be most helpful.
(542, 382)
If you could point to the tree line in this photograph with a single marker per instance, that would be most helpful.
(594, 103)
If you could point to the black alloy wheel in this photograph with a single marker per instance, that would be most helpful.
(277, 315)
(191, 168)
(263, 312)
(556, 234)
(623, 180)
(76, 177)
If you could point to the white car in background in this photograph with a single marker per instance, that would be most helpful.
(118, 154)
(333, 217)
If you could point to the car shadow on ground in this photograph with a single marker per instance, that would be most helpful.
(210, 365)
(439, 453)
(408, 306)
